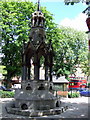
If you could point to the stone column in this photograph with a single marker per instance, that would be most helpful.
(24, 69)
(38, 71)
(36, 67)
(46, 69)
(51, 63)
(29, 72)
(28, 68)
(50, 73)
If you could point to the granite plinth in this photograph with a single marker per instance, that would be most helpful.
(34, 99)
(36, 113)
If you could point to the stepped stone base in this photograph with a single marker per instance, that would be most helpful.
(36, 97)
(36, 113)
(34, 100)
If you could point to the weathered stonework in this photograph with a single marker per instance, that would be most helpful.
(36, 98)
(36, 113)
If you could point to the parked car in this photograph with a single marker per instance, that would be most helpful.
(85, 93)
(4, 88)
(82, 89)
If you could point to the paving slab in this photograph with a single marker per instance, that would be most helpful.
(77, 108)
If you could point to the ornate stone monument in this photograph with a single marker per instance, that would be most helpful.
(35, 98)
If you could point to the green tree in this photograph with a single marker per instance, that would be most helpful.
(71, 49)
(15, 30)
(2, 71)
(69, 45)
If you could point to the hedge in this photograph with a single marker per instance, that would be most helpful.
(6, 94)
(10, 94)
(73, 95)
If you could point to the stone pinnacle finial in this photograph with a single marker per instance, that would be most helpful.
(38, 5)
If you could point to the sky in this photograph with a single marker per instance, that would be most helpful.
(66, 15)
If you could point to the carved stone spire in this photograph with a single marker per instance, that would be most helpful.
(38, 9)
(38, 17)
(37, 34)
(35, 89)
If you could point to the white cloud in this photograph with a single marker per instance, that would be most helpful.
(79, 22)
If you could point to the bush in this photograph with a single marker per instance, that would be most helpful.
(73, 95)
(6, 94)
(88, 85)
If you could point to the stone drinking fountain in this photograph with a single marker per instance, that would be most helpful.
(36, 98)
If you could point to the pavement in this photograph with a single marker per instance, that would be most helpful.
(78, 108)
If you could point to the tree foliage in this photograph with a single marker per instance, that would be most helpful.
(2, 71)
(15, 27)
(15, 18)
(69, 45)
(71, 49)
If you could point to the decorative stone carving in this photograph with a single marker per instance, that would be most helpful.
(28, 87)
(36, 95)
